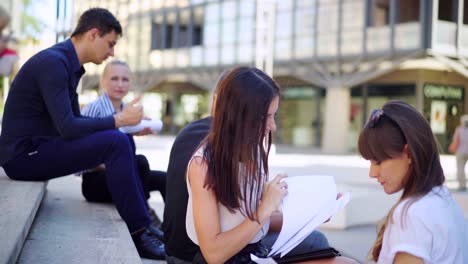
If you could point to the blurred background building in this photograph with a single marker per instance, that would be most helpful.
(335, 59)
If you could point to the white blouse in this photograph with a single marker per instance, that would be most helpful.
(433, 229)
(227, 219)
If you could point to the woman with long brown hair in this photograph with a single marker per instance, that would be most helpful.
(228, 174)
(426, 225)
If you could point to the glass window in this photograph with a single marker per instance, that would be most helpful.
(283, 49)
(329, 22)
(246, 29)
(351, 42)
(305, 21)
(211, 34)
(211, 13)
(284, 5)
(245, 53)
(184, 16)
(380, 13)
(284, 25)
(198, 18)
(228, 54)
(196, 56)
(198, 15)
(305, 3)
(247, 8)
(326, 44)
(408, 11)
(184, 21)
(304, 46)
(211, 55)
(229, 9)
(465, 12)
(194, 2)
(353, 15)
(229, 32)
(157, 32)
(446, 10)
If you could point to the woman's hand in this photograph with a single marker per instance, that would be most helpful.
(272, 196)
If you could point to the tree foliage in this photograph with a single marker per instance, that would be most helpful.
(31, 26)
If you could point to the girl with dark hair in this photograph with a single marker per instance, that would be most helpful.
(227, 175)
(426, 225)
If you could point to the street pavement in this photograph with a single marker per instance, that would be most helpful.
(350, 172)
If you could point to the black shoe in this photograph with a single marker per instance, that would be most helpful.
(154, 218)
(148, 245)
(156, 231)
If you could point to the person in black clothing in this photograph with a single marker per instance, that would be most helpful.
(178, 244)
(44, 135)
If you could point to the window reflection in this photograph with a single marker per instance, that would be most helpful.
(229, 32)
(229, 9)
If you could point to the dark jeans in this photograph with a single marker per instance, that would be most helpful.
(58, 157)
(94, 185)
(243, 257)
(315, 241)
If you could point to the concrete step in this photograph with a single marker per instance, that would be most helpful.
(67, 229)
(19, 202)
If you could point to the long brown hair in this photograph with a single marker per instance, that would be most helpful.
(237, 137)
(384, 137)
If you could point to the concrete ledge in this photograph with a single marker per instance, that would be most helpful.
(368, 206)
(19, 202)
(68, 229)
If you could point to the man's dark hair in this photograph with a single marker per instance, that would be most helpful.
(99, 18)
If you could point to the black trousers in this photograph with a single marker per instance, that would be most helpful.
(94, 185)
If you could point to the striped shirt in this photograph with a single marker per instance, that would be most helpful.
(101, 107)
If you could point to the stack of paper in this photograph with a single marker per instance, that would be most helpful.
(311, 200)
(154, 125)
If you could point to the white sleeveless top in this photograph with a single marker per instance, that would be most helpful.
(228, 220)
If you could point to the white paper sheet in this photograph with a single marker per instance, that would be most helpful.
(314, 223)
(311, 200)
(154, 125)
(262, 260)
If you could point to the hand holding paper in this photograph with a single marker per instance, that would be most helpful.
(311, 200)
(154, 125)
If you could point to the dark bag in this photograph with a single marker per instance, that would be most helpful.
(316, 254)
(243, 257)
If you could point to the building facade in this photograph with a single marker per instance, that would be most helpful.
(335, 59)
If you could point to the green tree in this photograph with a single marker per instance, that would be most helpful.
(31, 26)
